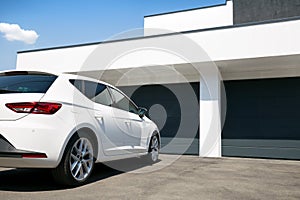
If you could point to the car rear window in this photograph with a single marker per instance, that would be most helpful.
(26, 83)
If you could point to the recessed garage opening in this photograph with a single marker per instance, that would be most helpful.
(164, 108)
(262, 119)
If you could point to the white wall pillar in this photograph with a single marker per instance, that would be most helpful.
(210, 114)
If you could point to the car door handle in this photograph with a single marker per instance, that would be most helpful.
(99, 117)
(127, 122)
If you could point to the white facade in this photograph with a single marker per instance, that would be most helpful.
(258, 51)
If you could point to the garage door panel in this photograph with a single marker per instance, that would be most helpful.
(258, 152)
(177, 145)
(249, 125)
(269, 143)
(272, 128)
(173, 127)
(262, 118)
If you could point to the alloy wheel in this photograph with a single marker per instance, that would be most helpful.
(81, 159)
(154, 148)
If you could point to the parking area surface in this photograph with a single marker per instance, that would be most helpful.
(189, 177)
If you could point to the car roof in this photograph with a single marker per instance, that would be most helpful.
(25, 72)
(80, 77)
(76, 76)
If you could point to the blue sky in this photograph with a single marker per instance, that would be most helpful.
(66, 22)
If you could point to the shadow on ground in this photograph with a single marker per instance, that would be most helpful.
(29, 180)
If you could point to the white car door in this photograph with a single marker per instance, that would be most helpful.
(110, 134)
(125, 115)
(119, 130)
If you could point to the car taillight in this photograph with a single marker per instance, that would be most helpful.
(34, 107)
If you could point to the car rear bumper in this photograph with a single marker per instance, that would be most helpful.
(7, 150)
(32, 142)
(12, 157)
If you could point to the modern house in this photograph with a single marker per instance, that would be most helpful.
(247, 97)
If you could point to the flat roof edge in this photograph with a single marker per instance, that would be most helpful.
(167, 34)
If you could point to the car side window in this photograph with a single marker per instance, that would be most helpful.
(96, 92)
(122, 102)
(103, 96)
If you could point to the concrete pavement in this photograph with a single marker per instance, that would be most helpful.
(189, 177)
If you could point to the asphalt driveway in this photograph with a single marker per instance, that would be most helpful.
(189, 177)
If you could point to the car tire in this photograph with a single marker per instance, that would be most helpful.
(153, 150)
(77, 162)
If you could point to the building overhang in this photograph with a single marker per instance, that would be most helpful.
(263, 67)
(239, 69)
(260, 50)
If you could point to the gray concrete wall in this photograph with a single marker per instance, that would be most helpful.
(245, 11)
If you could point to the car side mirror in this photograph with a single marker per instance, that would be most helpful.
(142, 112)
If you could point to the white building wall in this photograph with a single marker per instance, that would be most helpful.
(221, 15)
(57, 60)
(257, 41)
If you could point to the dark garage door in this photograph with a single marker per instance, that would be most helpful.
(262, 118)
(163, 97)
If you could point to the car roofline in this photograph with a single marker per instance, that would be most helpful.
(59, 74)
(29, 72)
(98, 81)
(88, 79)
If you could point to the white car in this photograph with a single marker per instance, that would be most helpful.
(68, 123)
